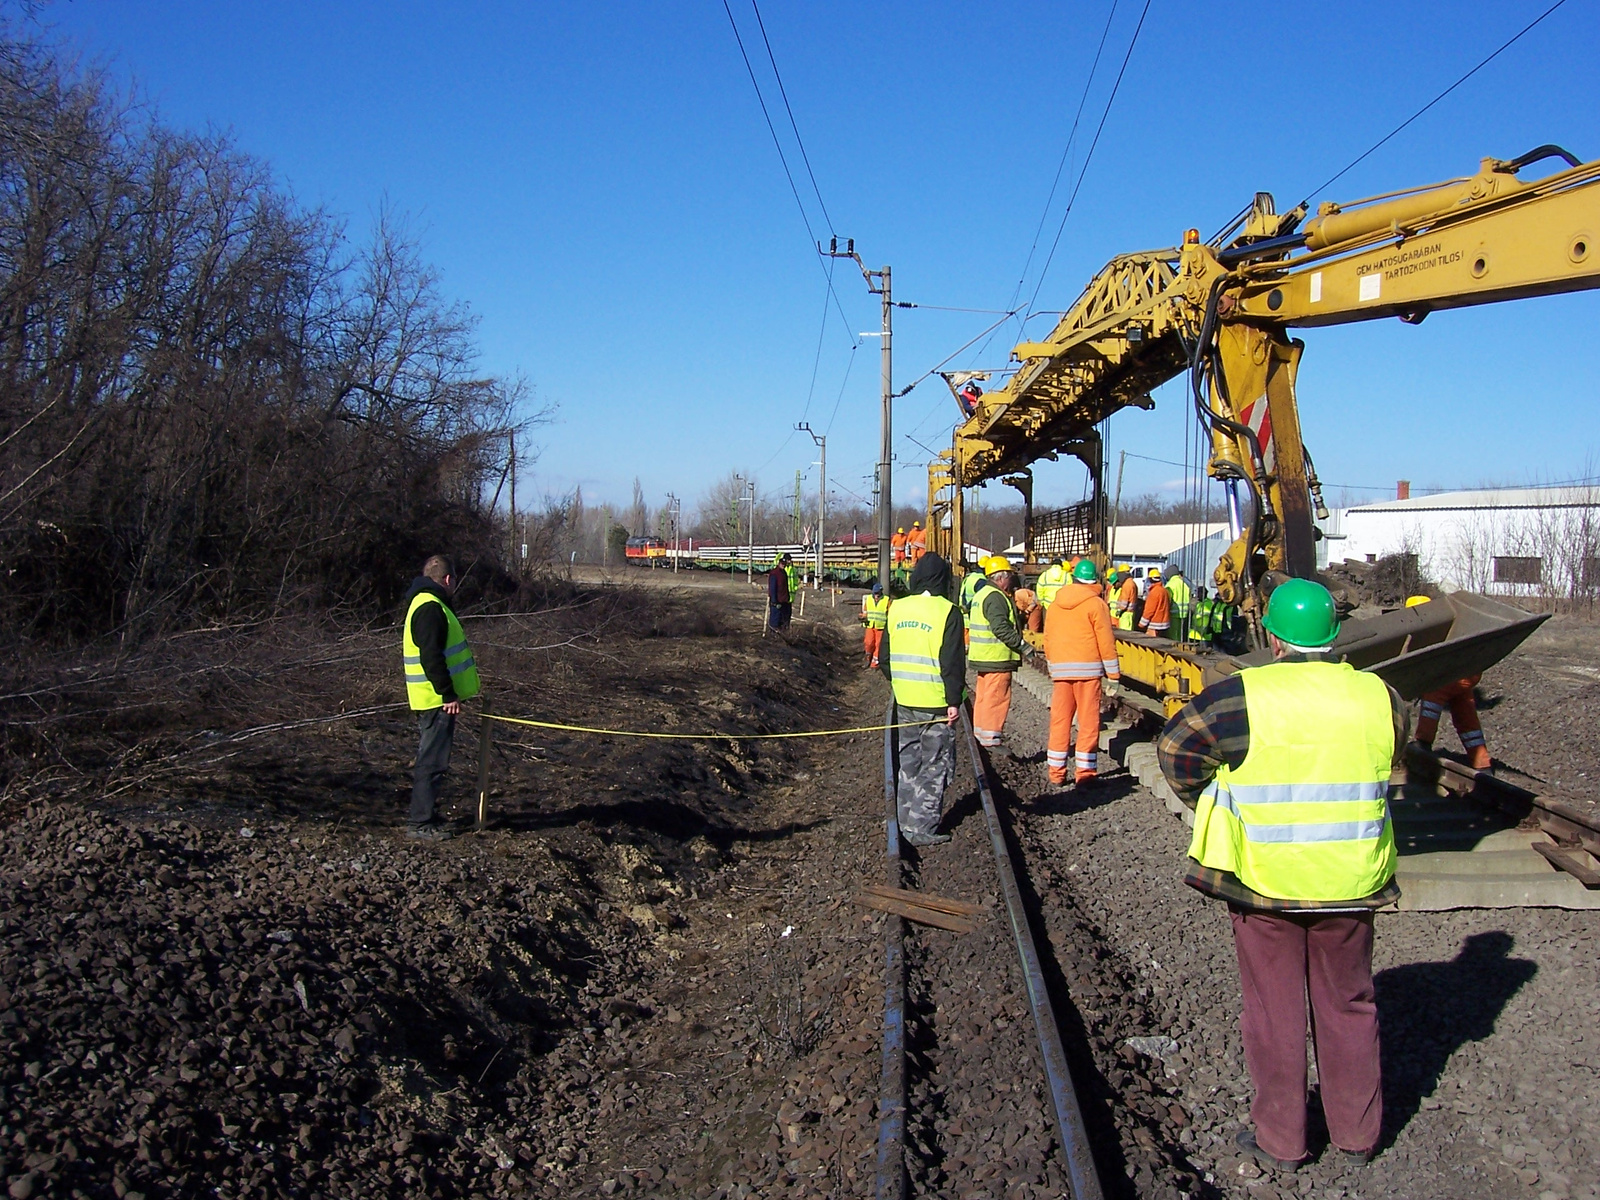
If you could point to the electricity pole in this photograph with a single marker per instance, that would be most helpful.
(822, 493)
(674, 504)
(750, 561)
(878, 284)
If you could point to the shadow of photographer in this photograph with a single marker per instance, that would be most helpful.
(1427, 1011)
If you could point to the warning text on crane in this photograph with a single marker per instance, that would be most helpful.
(1410, 261)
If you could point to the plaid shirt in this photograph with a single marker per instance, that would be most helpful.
(1213, 731)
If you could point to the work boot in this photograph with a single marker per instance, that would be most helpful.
(918, 838)
(435, 832)
(1246, 1141)
(1478, 758)
(1356, 1158)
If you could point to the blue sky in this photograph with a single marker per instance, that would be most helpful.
(596, 180)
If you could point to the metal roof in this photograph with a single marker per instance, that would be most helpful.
(1533, 497)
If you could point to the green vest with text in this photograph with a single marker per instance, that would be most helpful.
(1306, 815)
(984, 647)
(916, 634)
(1051, 580)
(457, 656)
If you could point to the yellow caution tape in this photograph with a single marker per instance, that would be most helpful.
(702, 737)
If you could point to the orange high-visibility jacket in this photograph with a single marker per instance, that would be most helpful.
(1128, 596)
(1078, 642)
(897, 543)
(1157, 608)
(917, 543)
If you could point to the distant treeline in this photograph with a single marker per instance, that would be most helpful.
(212, 405)
(572, 531)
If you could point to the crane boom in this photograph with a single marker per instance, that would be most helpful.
(1223, 314)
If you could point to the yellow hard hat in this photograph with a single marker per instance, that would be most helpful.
(1413, 601)
(997, 563)
(916, 524)
(902, 529)
(1124, 568)
(1153, 573)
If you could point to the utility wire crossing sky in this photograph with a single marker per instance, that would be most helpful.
(614, 190)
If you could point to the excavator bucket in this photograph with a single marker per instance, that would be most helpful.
(1417, 650)
(1413, 650)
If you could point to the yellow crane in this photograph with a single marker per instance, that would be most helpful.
(1221, 313)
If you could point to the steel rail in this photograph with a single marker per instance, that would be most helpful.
(891, 1178)
(1083, 1178)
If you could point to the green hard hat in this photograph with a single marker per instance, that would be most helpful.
(1300, 612)
(1086, 571)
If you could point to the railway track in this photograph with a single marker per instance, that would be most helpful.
(923, 1047)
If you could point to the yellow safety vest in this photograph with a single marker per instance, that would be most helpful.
(969, 584)
(1180, 595)
(1306, 815)
(792, 573)
(915, 638)
(1051, 580)
(457, 656)
(876, 611)
(984, 646)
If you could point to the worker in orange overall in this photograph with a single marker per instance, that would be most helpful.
(1082, 651)
(1125, 602)
(897, 543)
(916, 542)
(1156, 617)
(875, 616)
(1463, 705)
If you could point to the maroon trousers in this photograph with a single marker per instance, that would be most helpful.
(1282, 957)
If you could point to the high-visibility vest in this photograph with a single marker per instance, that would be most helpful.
(1306, 815)
(457, 657)
(1051, 580)
(792, 572)
(984, 646)
(1125, 619)
(876, 611)
(916, 634)
(1180, 595)
(969, 585)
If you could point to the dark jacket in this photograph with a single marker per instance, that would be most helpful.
(778, 586)
(428, 630)
(932, 574)
(1003, 622)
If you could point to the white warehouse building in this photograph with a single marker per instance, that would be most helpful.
(1536, 542)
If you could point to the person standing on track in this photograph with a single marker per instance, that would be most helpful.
(1288, 767)
(1156, 616)
(1125, 605)
(780, 600)
(875, 616)
(924, 661)
(897, 544)
(1460, 699)
(440, 673)
(1051, 580)
(995, 650)
(1082, 651)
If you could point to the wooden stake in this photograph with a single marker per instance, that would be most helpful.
(485, 743)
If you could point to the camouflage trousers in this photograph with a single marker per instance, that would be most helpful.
(927, 764)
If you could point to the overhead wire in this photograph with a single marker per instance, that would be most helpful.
(1060, 166)
(1367, 153)
(799, 141)
(1089, 157)
(784, 159)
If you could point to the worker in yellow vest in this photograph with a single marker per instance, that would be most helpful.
(875, 616)
(924, 661)
(440, 673)
(1051, 580)
(995, 650)
(1182, 601)
(1287, 766)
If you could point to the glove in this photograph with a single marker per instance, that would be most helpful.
(1111, 688)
